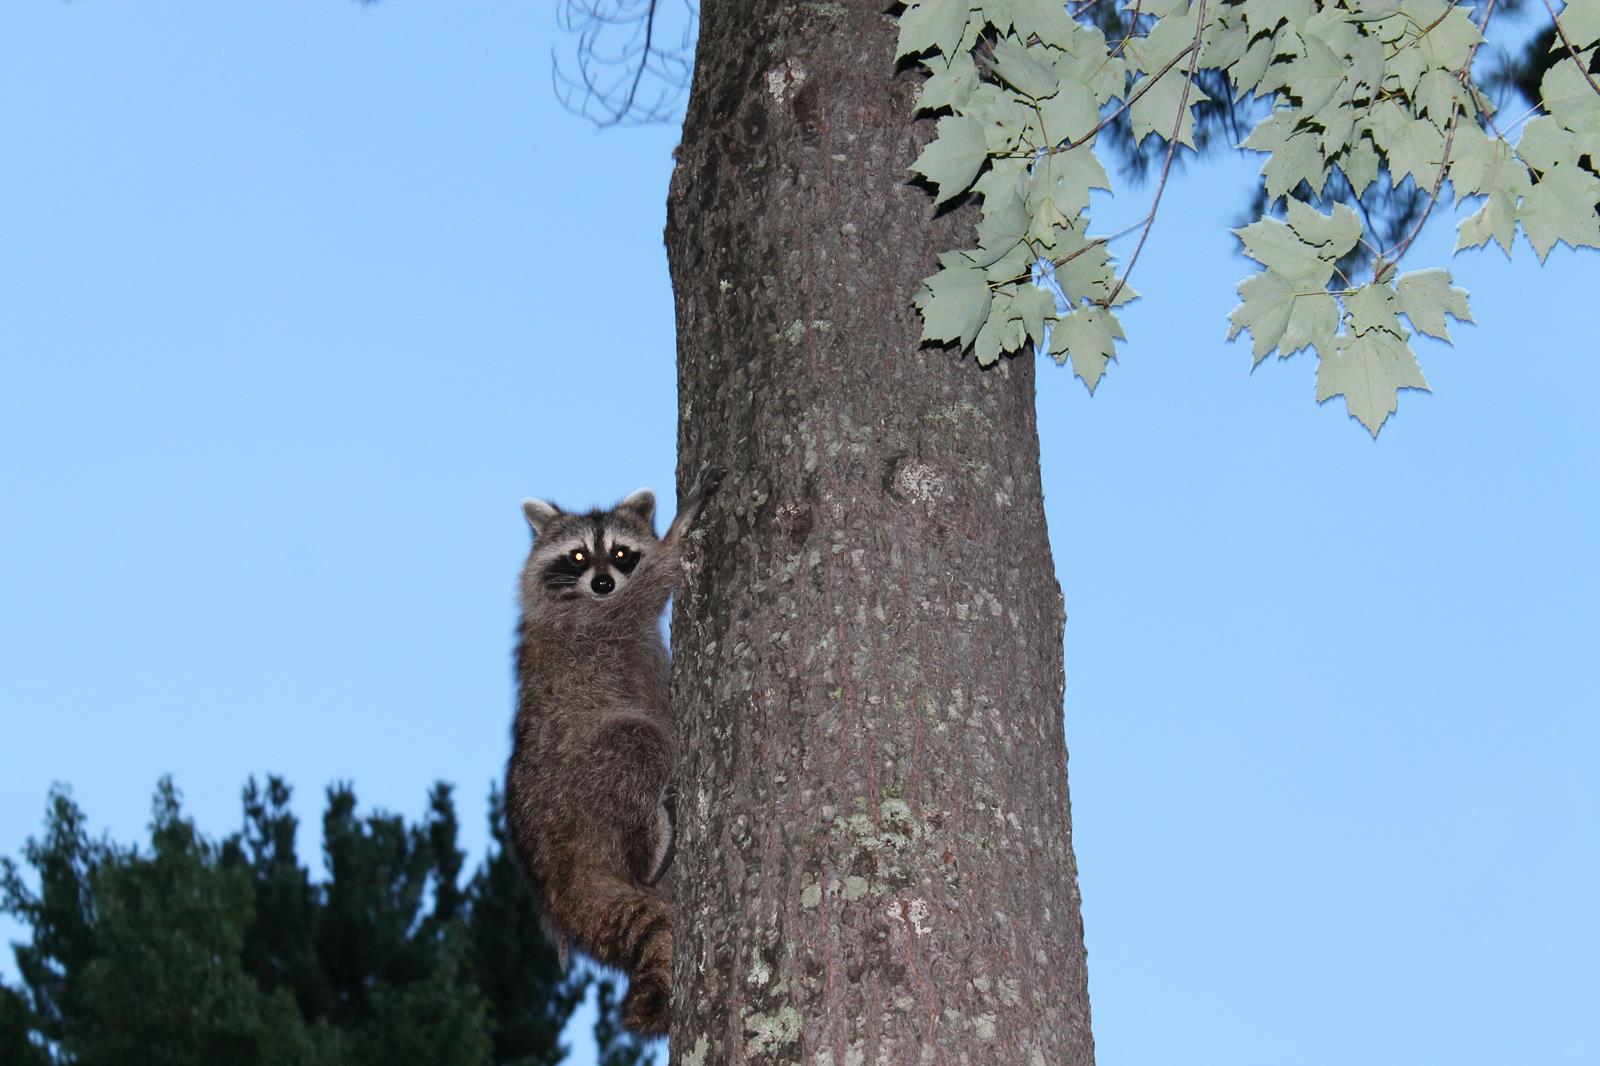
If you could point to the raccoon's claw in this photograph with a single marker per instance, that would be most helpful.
(705, 486)
(710, 480)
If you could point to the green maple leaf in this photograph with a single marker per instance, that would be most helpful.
(1497, 218)
(1569, 99)
(1001, 333)
(1368, 371)
(1034, 306)
(1438, 93)
(1247, 72)
(1266, 300)
(1014, 264)
(1278, 316)
(1373, 307)
(1404, 69)
(996, 13)
(1313, 321)
(1316, 77)
(1088, 273)
(1360, 164)
(1277, 247)
(1414, 146)
(1448, 43)
(1086, 337)
(955, 301)
(1298, 159)
(1223, 44)
(1066, 178)
(1004, 223)
(1545, 144)
(929, 24)
(1157, 109)
(949, 86)
(1426, 296)
(1332, 234)
(1044, 19)
(1561, 208)
(954, 157)
(1477, 160)
(1580, 20)
(1013, 65)
(1338, 123)
(1264, 15)
(1071, 113)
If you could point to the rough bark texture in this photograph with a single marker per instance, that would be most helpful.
(875, 850)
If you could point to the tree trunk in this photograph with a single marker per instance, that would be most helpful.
(874, 856)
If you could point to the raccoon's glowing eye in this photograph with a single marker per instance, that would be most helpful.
(620, 553)
(580, 557)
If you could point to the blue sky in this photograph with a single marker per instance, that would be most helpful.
(299, 300)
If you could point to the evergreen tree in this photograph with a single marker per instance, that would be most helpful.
(16, 1024)
(194, 951)
(59, 914)
(166, 983)
(280, 949)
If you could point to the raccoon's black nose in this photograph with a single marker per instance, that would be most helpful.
(602, 584)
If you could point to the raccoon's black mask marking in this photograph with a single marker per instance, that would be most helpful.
(564, 573)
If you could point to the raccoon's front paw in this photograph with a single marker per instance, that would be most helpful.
(709, 481)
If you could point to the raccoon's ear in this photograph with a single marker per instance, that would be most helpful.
(539, 514)
(641, 503)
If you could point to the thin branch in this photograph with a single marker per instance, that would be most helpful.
(1571, 51)
(1389, 259)
(649, 32)
(1172, 148)
(1519, 120)
(1133, 97)
(1133, 24)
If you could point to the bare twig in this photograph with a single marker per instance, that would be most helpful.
(624, 74)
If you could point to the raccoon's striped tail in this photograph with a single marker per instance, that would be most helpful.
(625, 927)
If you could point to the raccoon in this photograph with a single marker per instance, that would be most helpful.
(589, 795)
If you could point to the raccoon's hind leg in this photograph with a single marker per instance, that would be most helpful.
(608, 903)
(625, 927)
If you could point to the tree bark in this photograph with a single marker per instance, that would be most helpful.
(874, 856)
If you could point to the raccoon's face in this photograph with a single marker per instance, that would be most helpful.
(588, 556)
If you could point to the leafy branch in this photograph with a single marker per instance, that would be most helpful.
(1172, 144)
(1355, 91)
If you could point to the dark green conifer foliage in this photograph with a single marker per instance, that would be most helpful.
(280, 948)
(614, 1045)
(194, 951)
(16, 1022)
(166, 983)
(59, 915)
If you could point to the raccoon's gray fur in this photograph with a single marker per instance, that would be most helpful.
(588, 789)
